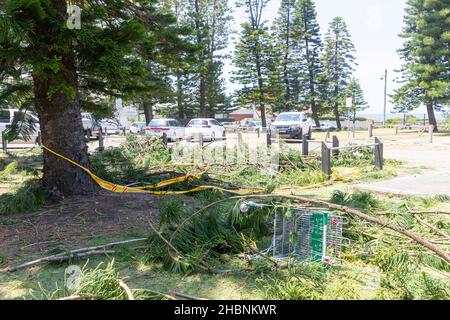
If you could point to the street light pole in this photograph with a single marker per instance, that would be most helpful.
(385, 96)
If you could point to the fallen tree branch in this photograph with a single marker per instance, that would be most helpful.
(58, 258)
(375, 220)
(127, 290)
(435, 229)
(77, 253)
(184, 296)
(430, 212)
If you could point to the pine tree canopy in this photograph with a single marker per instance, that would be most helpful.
(426, 55)
(112, 50)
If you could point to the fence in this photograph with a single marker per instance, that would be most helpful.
(14, 145)
(327, 153)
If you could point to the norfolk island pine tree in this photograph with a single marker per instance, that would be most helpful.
(60, 69)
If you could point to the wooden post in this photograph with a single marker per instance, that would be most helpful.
(165, 139)
(239, 134)
(259, 132)
(310, 133)
(353, 130)
(101, 144)
(328, 135)
(269, 137)
(200, 139)
(335, 144)
(305, 145)
(430, 132)
(4, 142)
(370, 130)
(326, 160)
(379, 158)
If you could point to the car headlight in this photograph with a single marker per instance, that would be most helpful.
(295, 127)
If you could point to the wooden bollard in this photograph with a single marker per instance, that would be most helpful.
(269, 137)
(101, 142)
(200, 139)
(379, 157)
(335, 144)
(370, 130)
(430, 132)
(305, 145)
(239, 134)
(326, 160)
(4, 142)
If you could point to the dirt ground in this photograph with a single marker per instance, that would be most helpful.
(75, 222)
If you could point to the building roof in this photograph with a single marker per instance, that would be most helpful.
(242, 111)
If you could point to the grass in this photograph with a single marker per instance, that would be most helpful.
(378, 265)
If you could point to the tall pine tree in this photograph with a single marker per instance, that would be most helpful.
(257, 61)
(426, 55)
(338, 65)
(308, 42)
(354, 91)
(285, 38)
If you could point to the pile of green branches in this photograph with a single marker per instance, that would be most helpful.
(204, 239)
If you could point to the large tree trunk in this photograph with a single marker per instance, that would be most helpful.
(148, 111)
(181, 113)
(315, 115)
(202, 97)
(431, 116)
(60, 116)
(337, 116)
(62, 131)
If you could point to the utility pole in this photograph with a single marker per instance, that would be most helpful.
(385, 96)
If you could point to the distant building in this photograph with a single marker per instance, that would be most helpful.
(241, 114)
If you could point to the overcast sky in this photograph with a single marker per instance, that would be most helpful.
(374, 26)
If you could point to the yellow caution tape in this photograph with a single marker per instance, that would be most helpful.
(142, 189)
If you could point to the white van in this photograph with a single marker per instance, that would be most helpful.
(7, 117)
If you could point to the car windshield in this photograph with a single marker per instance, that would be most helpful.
(159, 123)
(198, 123)
(289, 117)
(256, 123)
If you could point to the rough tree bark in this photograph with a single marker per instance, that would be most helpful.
(431, 116)
(148, 111)
(60, 120)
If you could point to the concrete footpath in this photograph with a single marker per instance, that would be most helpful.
(427, 184)
(433, 159)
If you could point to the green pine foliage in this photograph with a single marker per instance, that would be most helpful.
(338, 62)
(425, 78)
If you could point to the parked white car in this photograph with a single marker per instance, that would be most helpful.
(88, 123)
(7, 117)
(137, 127)
(171, 127)
(211, 129)
(292, 125)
